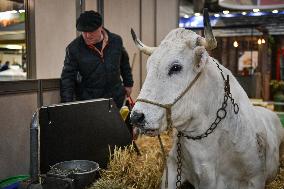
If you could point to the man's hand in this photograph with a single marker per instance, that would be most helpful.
(128, 91)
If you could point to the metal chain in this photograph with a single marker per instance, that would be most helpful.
(227, 89)
(221, 114)
(179, 162)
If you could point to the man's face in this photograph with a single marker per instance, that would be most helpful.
(93, 37)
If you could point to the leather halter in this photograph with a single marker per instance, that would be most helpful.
(168, 107)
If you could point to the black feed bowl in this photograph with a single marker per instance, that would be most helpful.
(84, 172)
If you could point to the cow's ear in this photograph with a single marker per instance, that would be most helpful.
(200, 58)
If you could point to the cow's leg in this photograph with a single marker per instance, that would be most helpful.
(257, 182)
(207, 175)
(172, 174)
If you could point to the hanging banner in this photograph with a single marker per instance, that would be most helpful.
(252, 4)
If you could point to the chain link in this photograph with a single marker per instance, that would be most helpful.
(179, 162)
(220, 115)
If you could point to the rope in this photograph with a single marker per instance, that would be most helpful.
(165, 160)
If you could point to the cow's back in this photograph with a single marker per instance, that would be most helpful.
(270, 122)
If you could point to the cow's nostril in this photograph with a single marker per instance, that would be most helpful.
(137, 118)
(141, 118)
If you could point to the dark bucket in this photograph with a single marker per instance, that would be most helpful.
(83, 172)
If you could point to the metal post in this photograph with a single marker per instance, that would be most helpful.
(30, 38)
(34, 149)
(39, 93)
(100, 4)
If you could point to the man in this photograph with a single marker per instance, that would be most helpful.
(5, 67)
(94, 64)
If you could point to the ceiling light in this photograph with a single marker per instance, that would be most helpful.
(244, 13)
(255, 10)
(235, 44)
(275, 11)
(216, 15)
(197, 14)
(263, 41)
(259, 41)
(226, 12)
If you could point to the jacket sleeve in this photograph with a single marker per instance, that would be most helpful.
(125, 69)
(68, 78)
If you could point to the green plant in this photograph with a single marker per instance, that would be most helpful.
(277, 86)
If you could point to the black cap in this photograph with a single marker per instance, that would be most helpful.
(89, 21)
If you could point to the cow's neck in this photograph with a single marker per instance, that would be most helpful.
(207, 108)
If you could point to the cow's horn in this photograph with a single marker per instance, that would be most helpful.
(210, 41)
(144, 48)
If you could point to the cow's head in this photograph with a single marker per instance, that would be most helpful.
(171, 68)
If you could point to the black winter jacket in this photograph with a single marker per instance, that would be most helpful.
(100, 77)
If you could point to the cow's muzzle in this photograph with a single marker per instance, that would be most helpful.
(137, 119)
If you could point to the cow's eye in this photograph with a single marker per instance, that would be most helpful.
(176, 68)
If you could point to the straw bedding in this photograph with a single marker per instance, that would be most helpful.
(127, 170)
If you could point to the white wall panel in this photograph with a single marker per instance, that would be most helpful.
(15, 114)
(91, 5)
(167, 17)
(148, 29)
(55, 29)
(51, 97)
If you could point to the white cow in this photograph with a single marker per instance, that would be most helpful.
(184, 88)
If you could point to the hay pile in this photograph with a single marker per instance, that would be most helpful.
(127, 170)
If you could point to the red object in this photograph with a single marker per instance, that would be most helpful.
(131, 102)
